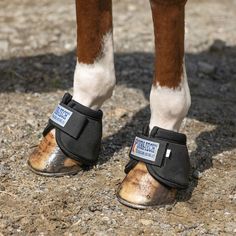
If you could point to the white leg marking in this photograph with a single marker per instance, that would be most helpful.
(94, 83)
(169, 106)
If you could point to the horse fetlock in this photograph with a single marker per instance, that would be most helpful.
(169, 106)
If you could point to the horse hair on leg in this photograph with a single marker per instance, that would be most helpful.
(94, 77)
(170, 97)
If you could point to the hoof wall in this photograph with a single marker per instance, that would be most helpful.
(48, 159)
(140, 190)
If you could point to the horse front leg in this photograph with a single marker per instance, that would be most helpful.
(94, 77)
(67, 142)
(155, 183)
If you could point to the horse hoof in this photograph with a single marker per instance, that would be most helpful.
(48, 159)
(140, 190)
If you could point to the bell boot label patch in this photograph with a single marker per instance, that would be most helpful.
(145, 149)
(61, 115)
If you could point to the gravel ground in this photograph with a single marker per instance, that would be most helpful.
(37, 59)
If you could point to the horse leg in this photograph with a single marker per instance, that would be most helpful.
(94, 77)
(169, 101)
(94, 80)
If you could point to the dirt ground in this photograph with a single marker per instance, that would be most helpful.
(37, 59)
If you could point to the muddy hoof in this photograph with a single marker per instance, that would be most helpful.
(140, 190)
(48, 159)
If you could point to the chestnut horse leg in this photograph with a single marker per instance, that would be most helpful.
(169, 100)
(94, 77)
(94, 80)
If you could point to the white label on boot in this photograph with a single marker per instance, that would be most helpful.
(145, 149)
(61, 115)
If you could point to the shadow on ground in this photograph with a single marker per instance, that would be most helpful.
(213, 95)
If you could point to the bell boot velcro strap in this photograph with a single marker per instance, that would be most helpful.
(78, 130)
(148, 150)
(68, 120)
(166, 156)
